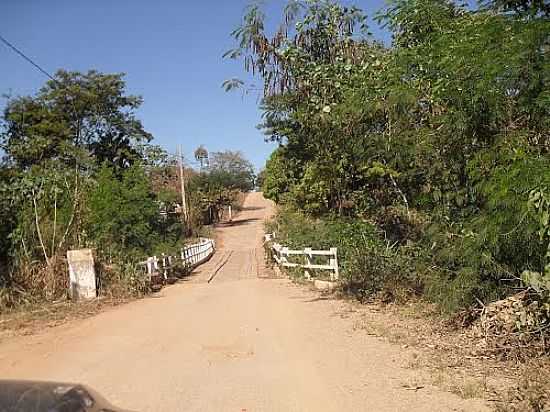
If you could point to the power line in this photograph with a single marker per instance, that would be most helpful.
(45, 72)
(23, 55)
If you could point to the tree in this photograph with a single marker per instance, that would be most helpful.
(307, 67)
(260, 178)
(71, 118)
(278, 178)
(231, 170)
(530, 8)
(54, 142)
(201, 155)
(7, 221)
(443, 133)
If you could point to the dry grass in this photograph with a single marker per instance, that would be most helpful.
(455, 359)
(531, 391)
(29, 319)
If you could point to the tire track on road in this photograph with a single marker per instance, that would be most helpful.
(225, 259)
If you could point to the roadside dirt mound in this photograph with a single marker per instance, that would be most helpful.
(516, 327)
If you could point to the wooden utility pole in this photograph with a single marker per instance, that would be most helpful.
(182, 182)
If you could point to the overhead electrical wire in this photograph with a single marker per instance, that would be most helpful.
(41, 69)
(47, 74)
(28, 59)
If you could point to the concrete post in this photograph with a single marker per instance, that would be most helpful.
(81, 274)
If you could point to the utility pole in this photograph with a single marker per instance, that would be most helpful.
(182, 182)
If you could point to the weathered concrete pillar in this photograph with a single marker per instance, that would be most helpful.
(81, 274)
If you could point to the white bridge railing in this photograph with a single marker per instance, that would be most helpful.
(283, 256)
(190, 256)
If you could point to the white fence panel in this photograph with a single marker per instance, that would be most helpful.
(190, 257)
(281, 254)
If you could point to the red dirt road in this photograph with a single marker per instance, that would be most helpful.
(242, 342)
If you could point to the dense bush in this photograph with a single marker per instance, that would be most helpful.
(439, 140)
(123, 212)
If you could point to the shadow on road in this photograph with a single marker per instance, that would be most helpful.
(238, 222)
(249, 208)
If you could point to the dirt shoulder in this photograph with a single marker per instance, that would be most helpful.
(32, 319)
(454, 358)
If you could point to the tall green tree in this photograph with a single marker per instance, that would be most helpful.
(201, 156)
(72, 117)
(231, 170)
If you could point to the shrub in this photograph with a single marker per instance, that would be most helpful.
(123, 212)
(369, 266)
(122, 279)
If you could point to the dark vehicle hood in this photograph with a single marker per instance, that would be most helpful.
(29, 396)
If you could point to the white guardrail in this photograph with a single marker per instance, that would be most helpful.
(281, 255)
(190, 257)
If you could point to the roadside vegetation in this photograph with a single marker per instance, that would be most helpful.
(426, 162)
(79, 170)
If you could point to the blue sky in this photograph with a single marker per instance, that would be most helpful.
(170, 50)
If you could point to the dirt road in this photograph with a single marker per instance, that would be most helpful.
(242, 342)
